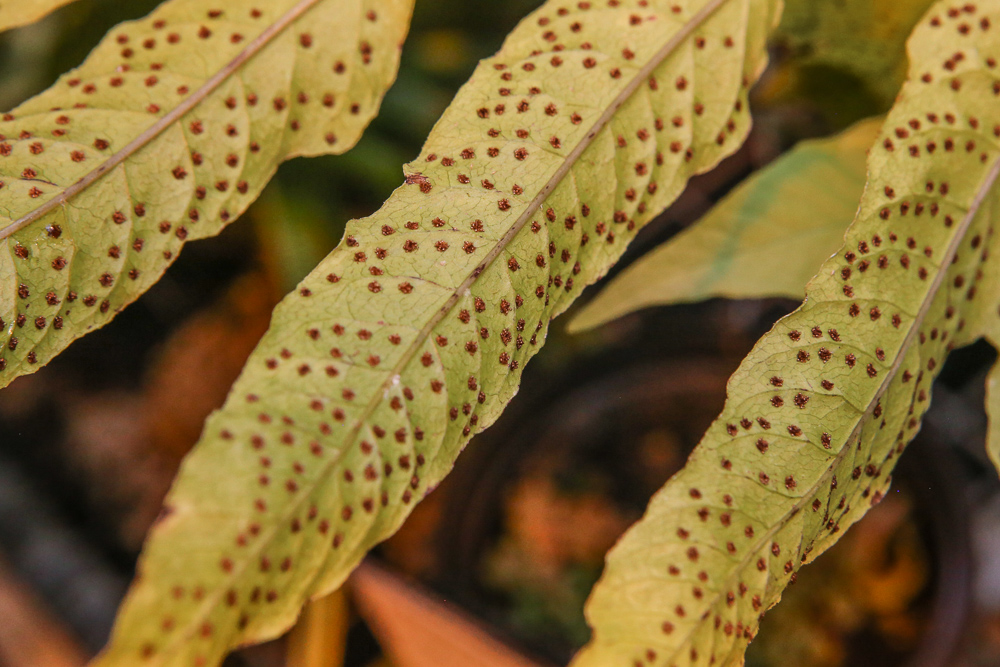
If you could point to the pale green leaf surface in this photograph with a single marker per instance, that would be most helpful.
(818, 412)
(864, 37)
(166, 133)
(412, 335)
(15, 13)
(731, 251)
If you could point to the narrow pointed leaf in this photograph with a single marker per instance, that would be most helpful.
(411, 336)
(821, 408)
(15, 13)
(166, 133)
(417, 629)
(731, 251)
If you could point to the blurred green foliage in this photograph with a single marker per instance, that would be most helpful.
(849, 56)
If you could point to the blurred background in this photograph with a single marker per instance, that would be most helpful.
(502, 555)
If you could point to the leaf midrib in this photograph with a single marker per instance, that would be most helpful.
(700, 17)
(157, 128)
(911, 335)
(424, 334)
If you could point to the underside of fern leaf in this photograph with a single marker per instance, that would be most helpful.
(821, 408)
(166, 133)
(411, 336)
(15, 13)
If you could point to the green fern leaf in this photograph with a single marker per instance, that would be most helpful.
(863, 37)
(166, 133)
(730, 252)
(15, 13)
(411, 336)
(822, 407)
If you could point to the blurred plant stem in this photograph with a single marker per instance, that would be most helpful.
(319, 639)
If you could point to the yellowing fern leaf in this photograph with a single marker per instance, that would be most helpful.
(411, 336)
(15, 13)
(166, 133)
(821, 408)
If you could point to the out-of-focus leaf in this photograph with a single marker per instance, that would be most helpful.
(14, 13)
(766, 238)
(32, 635)
(197, 365)
(864, 37)
(415, 629)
